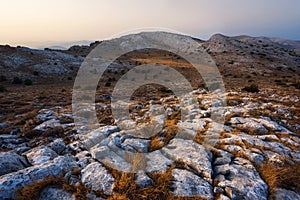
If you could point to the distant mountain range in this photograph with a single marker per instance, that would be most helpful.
(237, 57)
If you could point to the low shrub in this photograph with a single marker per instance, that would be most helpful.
(202, 86)
(107, 84)
(3, 78)
(2, 88)
(296, 85)
(252, 88)
(36, 73)
(28, 82)
(17, 80)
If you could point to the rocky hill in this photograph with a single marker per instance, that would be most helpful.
(254, 153)
(269, 62)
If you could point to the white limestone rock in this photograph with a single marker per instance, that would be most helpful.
(96, 177)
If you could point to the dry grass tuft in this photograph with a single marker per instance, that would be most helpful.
(33, 190)
(201, 134)
(80, 191)
(171, 122)
(285, 176)
(155, 144)
(163, 139)
(125, 184)
(126, 188)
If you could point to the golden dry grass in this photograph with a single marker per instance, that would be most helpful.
(200, 134)
(157, 142)
(126, 188)
(286, 176)
(33, 190)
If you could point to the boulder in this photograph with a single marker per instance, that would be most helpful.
(52, 123)
(139, 145)
(157, 162)
(46, 114)
(11, 162)
(9, 183)
(83, 158)
(142, 179)
(187, 184)
(96, 136)
(191, 153)
(242, 181)
(194, 124)
(40, 155)
(58, 145)
(250, 125)
(283, 194)
(108, 156)
(96, 177)
(55, 194)
(11, 141)
(271, 125)
(222, 157)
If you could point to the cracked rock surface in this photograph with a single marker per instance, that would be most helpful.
(205, 159)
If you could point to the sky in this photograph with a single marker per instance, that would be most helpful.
(42, 23)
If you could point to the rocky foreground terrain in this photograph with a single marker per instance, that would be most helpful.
(254, 152)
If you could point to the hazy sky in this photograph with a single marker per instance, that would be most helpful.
(38, 23)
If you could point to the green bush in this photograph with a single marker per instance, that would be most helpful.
(2, 88)
(202, 85)
(17, 80)
(252, 88)
(3, 78)
(36, 73)
(297, 85)
(107, 84)
(28, 82)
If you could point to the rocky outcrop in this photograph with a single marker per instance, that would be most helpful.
(55, 194)
(187, 184)
(281, 193)
(11, 162)
(226, 168)
(40, 155)
(96, 177)
(191, 154)
(240, 179)
(9, 183)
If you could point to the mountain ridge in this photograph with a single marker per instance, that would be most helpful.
(239, 59)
